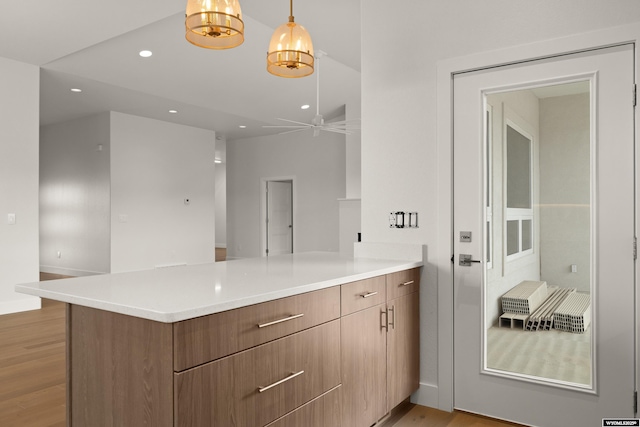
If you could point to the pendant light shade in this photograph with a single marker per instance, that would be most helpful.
(214, 24)
(290, 50)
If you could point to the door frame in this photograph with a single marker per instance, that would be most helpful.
(442, 396)
(263, 210)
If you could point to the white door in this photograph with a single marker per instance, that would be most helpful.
(544, 183)
(279, 217)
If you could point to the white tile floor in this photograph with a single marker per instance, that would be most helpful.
(553, 354)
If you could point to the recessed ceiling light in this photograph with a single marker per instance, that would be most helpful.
(145, 53)
(173, 111)
(76, 90)
(305, 107)
(242, 127)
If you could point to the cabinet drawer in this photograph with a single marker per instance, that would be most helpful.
(256, 386)
(402, 283)
(321, 412)
(264, 322)
(207, 338)
(362, 294)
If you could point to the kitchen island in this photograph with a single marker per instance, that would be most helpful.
(312, 339)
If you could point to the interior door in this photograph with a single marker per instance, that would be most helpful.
(544, 212)
(279, 217)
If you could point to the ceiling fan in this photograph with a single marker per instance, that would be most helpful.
(345, 127)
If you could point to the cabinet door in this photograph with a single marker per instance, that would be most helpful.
(403, 348)
(364, 367)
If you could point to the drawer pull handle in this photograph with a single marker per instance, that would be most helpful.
(410, 282)
(290, 377)
(370, 294)
(275, 322)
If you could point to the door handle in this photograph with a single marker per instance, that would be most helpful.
(466, 260)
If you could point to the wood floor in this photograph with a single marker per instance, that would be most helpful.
(32, 376)
(32, 367)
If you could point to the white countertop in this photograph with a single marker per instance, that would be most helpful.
(173, 294)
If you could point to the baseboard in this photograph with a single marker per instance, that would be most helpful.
(24, 304)
(426, 395)
(68, 271)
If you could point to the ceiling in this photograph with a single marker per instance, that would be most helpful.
(94, 45)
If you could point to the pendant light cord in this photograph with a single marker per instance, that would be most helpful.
(290, 10)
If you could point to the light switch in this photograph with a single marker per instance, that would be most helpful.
(11, 219)
(574, 268)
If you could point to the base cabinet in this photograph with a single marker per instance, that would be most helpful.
(380, 348)
(364, 366)
(340, 356)
(257, 386)
(403, 349)
(323, 411)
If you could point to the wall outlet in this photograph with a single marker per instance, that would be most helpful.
(11, 219)
(59, 254)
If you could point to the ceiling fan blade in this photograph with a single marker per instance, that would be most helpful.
(329, 125)
(285, 127)
(343, 122)
(292, 131)
(342, 131)
(342, 127)
(293, 121)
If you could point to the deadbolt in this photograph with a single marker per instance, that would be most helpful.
(465, 236)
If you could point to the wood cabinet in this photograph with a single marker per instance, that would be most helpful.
(324, 411)
(119, 370)
(364, 366)
(207, 338)
(403, 348)
(380, 349)
(340, 356)
(257, 386)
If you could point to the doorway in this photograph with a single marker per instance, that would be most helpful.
(278, 217)
(545, 213)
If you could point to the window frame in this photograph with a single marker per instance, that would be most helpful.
(518, 214)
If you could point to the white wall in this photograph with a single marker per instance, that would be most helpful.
(317, 167)
(350, 213)
(75, 196)
(155, 165)
(221, 205)
(19, 117)
(399, 112)
(221, 192)
(353, 114)
(565, 160)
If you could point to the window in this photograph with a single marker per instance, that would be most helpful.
(519, 192)
(488, 135)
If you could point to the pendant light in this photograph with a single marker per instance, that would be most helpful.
(214, 24)
(290, 50)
